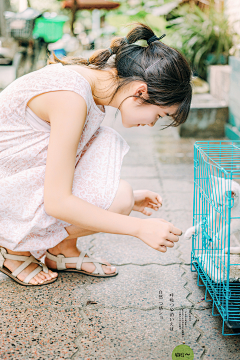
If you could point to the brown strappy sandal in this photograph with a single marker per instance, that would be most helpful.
(27, 261)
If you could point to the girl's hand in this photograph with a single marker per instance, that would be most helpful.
(146, 198)
(158, 234)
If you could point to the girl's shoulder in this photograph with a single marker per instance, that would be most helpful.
(50, 78)
(58, 76)
(68, 78)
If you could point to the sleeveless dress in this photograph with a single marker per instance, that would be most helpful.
(24, 138)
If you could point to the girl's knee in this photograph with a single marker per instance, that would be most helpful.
(129, 198)
(124, 199)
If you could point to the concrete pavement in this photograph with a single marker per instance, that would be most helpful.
(150, 307)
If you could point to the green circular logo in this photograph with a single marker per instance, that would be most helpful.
(182, 352)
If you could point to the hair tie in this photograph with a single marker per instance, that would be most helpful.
(154, 38)
(126, 40)
(88, 62)
(110, 50)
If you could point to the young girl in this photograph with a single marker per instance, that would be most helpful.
(60, 170)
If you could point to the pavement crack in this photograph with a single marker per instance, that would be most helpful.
(185, 286)
(183, 275)
(145, 264)
(80, 326)
(153, 263)
(164, 195)
(201, 333)
(145, 309)
(77, 340)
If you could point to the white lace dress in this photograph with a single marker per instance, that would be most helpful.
(24, 138)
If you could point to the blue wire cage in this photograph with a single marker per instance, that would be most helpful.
(216, 171)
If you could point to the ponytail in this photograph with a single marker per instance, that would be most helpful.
(100, 57)
(164, 70)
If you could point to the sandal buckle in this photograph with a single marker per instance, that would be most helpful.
(3, 252)
(60, 262)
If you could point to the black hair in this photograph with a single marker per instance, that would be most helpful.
(164, 69)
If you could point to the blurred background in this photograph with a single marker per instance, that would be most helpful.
(207, 32)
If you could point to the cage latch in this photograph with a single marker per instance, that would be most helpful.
(206, 239)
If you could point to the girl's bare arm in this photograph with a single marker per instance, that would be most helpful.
(67, 113)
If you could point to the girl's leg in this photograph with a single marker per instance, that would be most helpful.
(122, 204)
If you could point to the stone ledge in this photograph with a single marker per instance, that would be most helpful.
(207, 118)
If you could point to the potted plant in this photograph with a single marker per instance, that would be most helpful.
(204, 37)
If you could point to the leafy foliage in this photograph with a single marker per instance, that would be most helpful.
(132, 11)
(199, 34)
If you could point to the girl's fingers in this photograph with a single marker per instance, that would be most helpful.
(145, 212)
(153, 206)
(156, 201)
(162, 248)
(150, 206)
(172, 237)
(154, 197)
(176, 230)
(170, 244)
(159, 199)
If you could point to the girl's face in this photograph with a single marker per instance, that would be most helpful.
(144, 114)
(136, 114)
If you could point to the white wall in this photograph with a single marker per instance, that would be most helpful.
(233, 11)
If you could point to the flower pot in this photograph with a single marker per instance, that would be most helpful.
(213, 59)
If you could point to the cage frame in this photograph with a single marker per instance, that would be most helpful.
(210, 152)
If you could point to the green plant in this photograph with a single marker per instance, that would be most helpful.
(203, 37)
(132, 11)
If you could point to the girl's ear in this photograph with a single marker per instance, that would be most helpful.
(141, 90)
